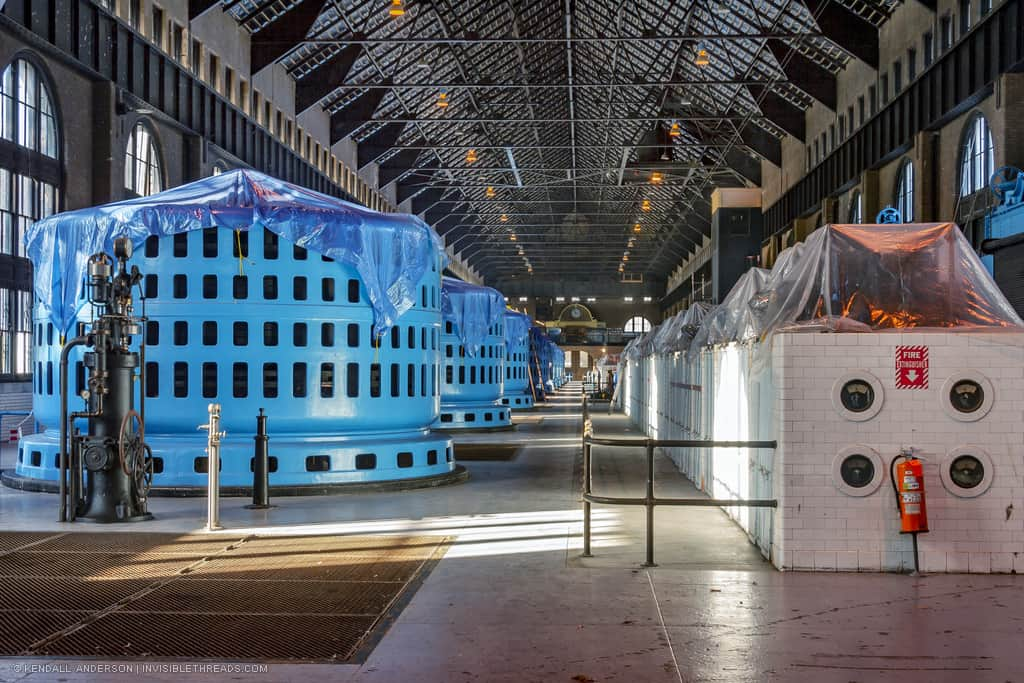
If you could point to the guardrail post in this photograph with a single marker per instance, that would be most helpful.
(586, 478)
(650, 504)
(586, 503)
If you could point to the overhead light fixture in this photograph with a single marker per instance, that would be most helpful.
(656, 177)
(490, 191)
(503, 218)
(625, 258)
(628, 299)
(574, 299)
(675, 131)
(523, 299)
(513, 237)
(471, 156)
(647, 299)
(442, 99)
(621, 268)
(506, 299)
(701, 58)
(636, 227)
(591, 299)
(397, 8)
(559, 299)
(646, 205)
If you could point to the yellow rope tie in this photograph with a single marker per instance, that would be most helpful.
(238, 242)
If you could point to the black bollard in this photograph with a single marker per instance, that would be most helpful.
(261, 467)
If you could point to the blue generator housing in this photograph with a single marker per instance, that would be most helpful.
(249, 319)
(473, 342)
(517, 394)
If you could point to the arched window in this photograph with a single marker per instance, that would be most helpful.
(143, 174)
(905, 191)
(977, 156)
(856, 207)
(637, 324)
(219, 167)
(30, 176)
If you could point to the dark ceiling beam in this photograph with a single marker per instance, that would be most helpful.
(402, 163)
(346, 120)
(404, 191)
(320, 82)
(444, 225)
(781, 112)
(766, 145)
(806, 74)
(930, 4)
(847, 29)
(197, 7)
(746, 166)
(379, 143)
(426, 199)
(275, 39)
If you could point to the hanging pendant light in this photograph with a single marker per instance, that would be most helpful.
(512, 237)
(656, 178)
(471, 156)
(646, 205)
(701, 58)
(675, 131)
(442, 99)
(636, 227)
(503, 218)
(490, 192)
(397, 8)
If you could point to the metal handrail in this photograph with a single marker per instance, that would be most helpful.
(650, 501)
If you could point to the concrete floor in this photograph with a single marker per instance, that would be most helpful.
(512, 600)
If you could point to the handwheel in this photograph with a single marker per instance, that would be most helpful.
(131, 443)
(1002, 179)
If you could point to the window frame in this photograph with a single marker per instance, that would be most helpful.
(980, 165)
(903, 197)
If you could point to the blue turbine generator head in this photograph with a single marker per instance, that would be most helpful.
(473, 343)
(259, 294)
(517, 394)
(542, 361)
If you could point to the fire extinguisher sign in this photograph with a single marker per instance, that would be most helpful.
(911, 367)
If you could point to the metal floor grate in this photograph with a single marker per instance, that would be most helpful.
(113, 595)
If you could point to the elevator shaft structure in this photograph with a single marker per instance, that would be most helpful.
(111, 457)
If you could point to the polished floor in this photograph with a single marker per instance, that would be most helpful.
(511, 600)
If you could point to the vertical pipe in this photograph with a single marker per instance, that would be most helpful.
(261, 466)
(650, 505)
(64, 356)
(213, 467)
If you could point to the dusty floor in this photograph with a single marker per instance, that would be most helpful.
(512, 600)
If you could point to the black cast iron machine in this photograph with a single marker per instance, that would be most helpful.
(107, 471)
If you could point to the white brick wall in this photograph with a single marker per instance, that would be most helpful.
(818, 526)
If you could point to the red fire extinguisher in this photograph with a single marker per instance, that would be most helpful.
(908, 484)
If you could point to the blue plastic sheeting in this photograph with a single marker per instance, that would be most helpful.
(517, 328)
(472, 309)
(391, 252)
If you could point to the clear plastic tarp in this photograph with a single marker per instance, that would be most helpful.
(517, 327)
(734, 319)
(472, 309)
(391, 252)
(860, 278)
(678, 332)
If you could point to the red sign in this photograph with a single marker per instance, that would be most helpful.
(911, 367)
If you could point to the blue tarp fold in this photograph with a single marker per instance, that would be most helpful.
(517, 328)
(391, 252)
(472, 309)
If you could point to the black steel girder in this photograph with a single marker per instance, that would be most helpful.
(379, 143)
(781, 111)
(345, 121)
(806, 74)
(847, 29)
(318, 84)
(279, 37)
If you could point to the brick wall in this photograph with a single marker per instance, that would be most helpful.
(819, 526)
